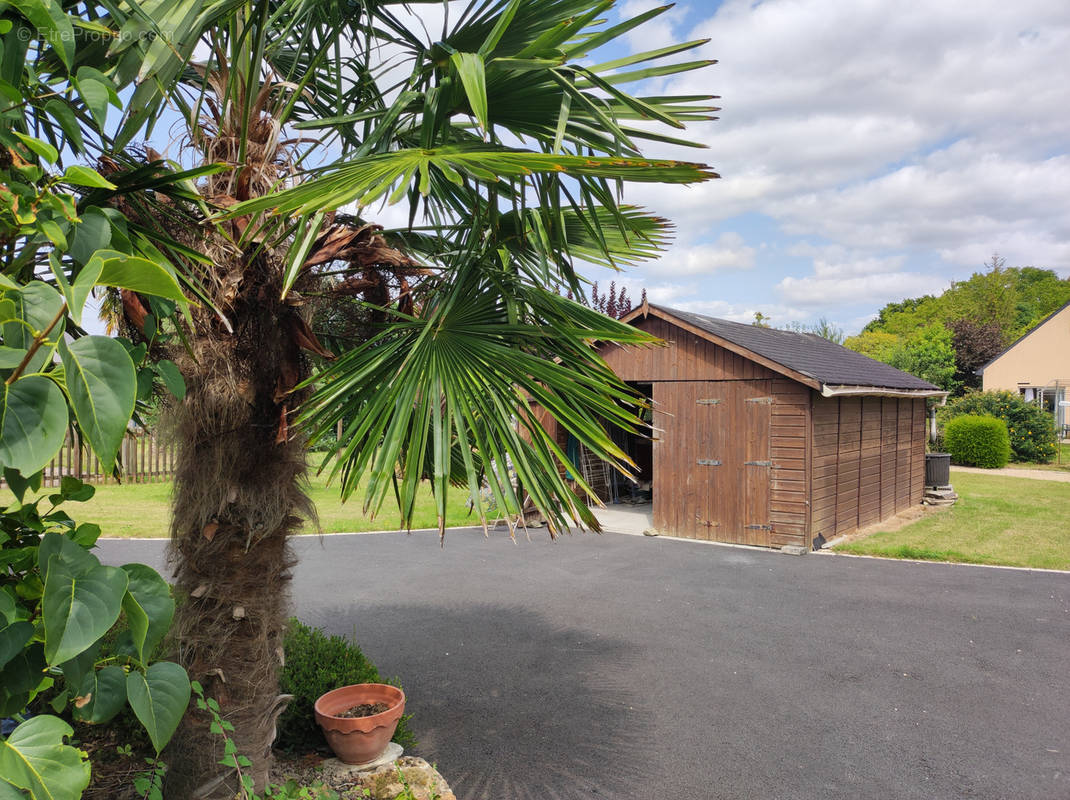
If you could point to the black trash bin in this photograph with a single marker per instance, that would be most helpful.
(938, 469)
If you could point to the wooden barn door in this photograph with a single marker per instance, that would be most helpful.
(712, 460)
(755, 405)
(687, 433)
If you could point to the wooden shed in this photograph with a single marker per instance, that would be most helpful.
(770, 437)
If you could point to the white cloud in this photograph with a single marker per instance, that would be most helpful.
(935, 130)
(832, 290)
(728, 251)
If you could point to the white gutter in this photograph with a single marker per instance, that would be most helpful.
(876, 391)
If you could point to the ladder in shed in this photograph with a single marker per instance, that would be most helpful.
(595, 473)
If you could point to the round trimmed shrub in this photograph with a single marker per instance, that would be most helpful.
(976, 441)
(1031, 428)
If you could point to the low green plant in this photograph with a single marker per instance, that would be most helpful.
(58, 605)
(149, 784)
(315, 663)
(292, 790)
(976, 441)
(231, 757)
(1030, 427)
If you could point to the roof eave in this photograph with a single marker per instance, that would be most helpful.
(844, 390)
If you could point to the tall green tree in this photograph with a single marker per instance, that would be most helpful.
(507, 141)
(929, 355)
(1014, 299)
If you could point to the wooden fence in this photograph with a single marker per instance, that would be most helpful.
(143, 458)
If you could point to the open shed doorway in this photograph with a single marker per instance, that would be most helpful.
(640, 449)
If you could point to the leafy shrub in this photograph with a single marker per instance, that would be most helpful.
(976, 441)
(1031, 428)
(315, 663)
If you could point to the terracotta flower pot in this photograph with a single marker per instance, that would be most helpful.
(359, 740)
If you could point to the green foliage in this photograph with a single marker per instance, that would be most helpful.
(928, 354)
(1015, 299)
(977, 441)
(905, 317)
(35, 759)
(223, 728)
(1031, 429)
(315, 664)
(878, 345)
(60, 237)
(984, 314)
(292, 790)
(149, 783)
(58, 606)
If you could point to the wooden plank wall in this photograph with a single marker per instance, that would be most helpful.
(789, 487)
(714, 462)
(868, 461)
(687, 358)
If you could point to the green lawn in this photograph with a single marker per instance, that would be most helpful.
(142, 510)
(998, 520)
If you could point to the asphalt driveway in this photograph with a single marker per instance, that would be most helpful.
(648, 669)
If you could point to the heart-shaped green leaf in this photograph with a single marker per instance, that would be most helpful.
(79, 609)
(35, 305)
(35, 759)
(33, 422)
(159, 699)
(91, 234)
(102, 385)
(77, 558)
(101, 695)
(148, 606)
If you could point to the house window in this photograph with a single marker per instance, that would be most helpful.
(1053, 399)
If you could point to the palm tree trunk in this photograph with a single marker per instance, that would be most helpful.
(237, 498)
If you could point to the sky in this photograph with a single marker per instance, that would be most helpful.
(869, 151)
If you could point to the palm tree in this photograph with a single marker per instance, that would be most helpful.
(508, 146)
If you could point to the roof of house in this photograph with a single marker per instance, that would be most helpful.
(1025, 335)
(807, 354)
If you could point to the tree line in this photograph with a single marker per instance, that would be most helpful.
(946, 338)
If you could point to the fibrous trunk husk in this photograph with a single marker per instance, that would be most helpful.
(237, 498)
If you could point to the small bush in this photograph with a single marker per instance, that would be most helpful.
(1031, 428)
(315, 664)
(976, 441)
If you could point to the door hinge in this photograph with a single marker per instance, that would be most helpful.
(759, 527)
(759, 463)
(708, 462)
(708, 401)
(764, 400)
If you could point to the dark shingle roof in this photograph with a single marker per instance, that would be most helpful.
(806, 353)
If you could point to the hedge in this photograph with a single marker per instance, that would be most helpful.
(976, 441)
(1030, 427)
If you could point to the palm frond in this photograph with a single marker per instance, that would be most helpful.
(461, 379)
